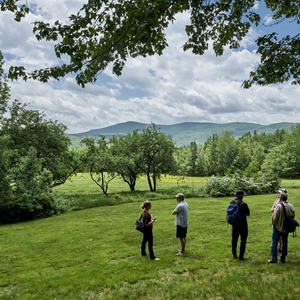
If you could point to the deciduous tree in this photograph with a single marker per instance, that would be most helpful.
(124, 150)
(100, 162)
(34, 157)
(154, 155)
(108, 32)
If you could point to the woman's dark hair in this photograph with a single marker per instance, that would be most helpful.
(146, 204)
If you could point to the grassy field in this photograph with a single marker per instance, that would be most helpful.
(82, 192)
(95, 253)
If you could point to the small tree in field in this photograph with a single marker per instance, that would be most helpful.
(123, 149)
(154, 154)
(100, 162)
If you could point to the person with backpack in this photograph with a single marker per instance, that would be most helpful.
(240, 229)
(278, 218)
(280, 190)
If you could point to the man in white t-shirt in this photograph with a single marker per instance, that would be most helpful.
(181, 222)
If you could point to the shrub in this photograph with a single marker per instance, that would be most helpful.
(226, 186)
(28, 195)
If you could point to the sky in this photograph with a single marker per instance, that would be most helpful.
(169, 89)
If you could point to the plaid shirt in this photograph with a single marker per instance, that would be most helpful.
(278, 215)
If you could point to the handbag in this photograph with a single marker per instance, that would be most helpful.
(289, 223)
(140, 225)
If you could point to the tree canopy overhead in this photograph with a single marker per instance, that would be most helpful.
(110, 31)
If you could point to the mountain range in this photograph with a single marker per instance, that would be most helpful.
(184, 133)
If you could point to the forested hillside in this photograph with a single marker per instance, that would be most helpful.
(184, 133)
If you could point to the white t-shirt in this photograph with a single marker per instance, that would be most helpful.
(182, 214)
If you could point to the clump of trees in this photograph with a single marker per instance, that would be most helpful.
(254, 162)
(275, 155)
(148, 152)
(34, 157)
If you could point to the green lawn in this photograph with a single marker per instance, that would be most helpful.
(95, 253)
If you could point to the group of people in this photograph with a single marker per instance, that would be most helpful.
(279, 236)
(181, 222)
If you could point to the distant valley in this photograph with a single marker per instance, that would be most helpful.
(184, 133)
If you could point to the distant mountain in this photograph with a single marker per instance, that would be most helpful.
(184, 133)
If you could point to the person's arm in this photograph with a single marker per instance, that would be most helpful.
(292, 211)
(274, 205)
(151, 222)
(176, 210)
(245, 209)
(248, 211)
(275, 215)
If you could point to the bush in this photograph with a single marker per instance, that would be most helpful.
(226, 186)
(28, 195)
(26, 208)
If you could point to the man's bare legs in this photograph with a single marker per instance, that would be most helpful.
(183, 243)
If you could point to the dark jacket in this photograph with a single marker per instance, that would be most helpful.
(243, 210)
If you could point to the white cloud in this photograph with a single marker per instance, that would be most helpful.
(173, 88)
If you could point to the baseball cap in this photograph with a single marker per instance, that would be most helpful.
(179, 195)
(240, 192)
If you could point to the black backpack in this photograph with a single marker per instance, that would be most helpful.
(289, 223)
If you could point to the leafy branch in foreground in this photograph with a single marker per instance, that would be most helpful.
(109, 32)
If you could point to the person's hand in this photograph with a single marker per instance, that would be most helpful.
(154, 219)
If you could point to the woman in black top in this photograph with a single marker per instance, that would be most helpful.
(148, 235)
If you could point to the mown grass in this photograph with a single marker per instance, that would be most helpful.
(81, 192)
(95, 253)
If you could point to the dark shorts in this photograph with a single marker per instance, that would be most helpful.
(181, 232)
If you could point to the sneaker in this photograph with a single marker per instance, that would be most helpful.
(234, 256)
(271, 261)
(156, 258)
(243, 258)
(282, 261)
(179, 253)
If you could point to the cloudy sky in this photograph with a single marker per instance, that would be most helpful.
(173, 88)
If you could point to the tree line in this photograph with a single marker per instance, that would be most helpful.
(253, 154)
(151, 153)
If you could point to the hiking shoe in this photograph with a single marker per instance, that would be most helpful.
(271, 261)
(282, 261)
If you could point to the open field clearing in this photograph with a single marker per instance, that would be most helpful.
(95, 253)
